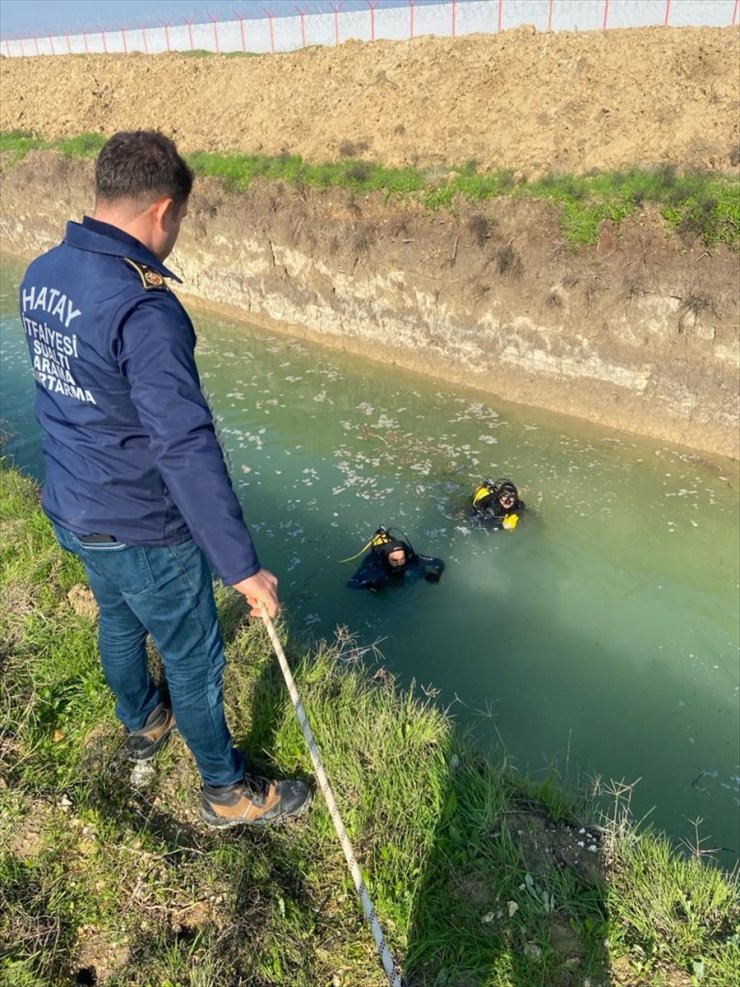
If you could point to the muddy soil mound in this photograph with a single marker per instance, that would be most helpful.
(527, 101)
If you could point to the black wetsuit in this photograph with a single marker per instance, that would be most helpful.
(375, 572)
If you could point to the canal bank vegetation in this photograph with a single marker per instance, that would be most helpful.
(480, 876)
(696, 205)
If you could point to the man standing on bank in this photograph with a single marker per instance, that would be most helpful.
(136, 484)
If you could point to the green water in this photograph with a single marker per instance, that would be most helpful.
(600, 638)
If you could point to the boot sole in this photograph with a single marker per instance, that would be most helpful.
(219, 822)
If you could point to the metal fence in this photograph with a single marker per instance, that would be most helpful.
(271, 29)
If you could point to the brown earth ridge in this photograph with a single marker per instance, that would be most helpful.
(532, 102)
(638, 332)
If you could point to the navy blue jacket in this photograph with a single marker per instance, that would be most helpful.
(129, 441)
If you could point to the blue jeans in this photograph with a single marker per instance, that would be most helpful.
(166, 592)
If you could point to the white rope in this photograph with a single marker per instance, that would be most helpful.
(391, 971)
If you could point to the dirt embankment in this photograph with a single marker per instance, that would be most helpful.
(528, 101)
(639, 332)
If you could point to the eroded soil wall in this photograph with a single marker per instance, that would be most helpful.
(639, 332)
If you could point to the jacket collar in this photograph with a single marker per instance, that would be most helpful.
(104, 238)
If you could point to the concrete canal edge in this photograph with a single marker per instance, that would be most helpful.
(639, 332)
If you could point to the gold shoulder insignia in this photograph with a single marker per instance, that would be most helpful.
(149, 277)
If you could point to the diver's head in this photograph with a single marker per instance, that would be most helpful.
(507, 495)
(393, 554)
(397, 558)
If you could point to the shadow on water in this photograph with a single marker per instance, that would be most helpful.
(513, 887)
(503, 888)
(511, 890)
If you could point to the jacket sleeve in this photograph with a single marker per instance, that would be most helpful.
(156, 345)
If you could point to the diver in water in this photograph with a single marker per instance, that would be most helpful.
(498, 503)
(392, 560)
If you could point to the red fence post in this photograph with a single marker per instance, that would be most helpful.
(270, 16)
(734, 12)
(667, 13)
(412, 4)
(190, 32)
(36, 44)
(51, 42)
(549, 15)
(301, 11)
(69, 44)
(166, 25)
(373, 5)
(84, 38)
(454, 18)
(606, 14)
(214, 21)
(241, 18)
(7, 47)
(146, 45)
(336, 7)
(122, 28)
(500, 16)
(105, 43)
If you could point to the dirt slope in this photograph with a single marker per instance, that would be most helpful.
(532, 102)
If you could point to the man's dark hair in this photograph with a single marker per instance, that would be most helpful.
(143, 165)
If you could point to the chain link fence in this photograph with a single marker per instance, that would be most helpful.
(272, 29)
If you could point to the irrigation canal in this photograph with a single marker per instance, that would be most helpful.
(600, 638)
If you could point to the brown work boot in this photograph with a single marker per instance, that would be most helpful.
(254, 801)
(140, 745)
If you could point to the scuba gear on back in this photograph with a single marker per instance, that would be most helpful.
(486, 489)
(384, 543)
(379, 537)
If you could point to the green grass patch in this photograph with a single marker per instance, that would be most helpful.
(238, 171)
(703, 206)
(205, 53)
(83, 145)
(464, 859)
(18, 143)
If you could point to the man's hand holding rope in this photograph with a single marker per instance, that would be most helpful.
(260, 591)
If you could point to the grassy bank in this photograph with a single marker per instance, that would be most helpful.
(694, 205)
(478, 876)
